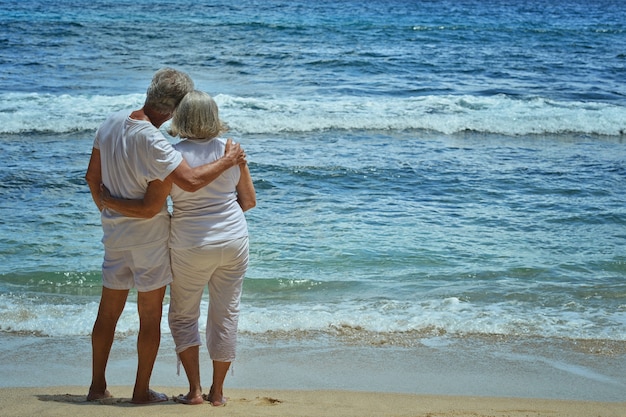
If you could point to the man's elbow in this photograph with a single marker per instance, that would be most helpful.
(91, 179)
(187, 178)
(189, 185)
(193, 187)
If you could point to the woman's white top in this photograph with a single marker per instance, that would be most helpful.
(211, 214)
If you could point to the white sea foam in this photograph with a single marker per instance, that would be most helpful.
(437, 316)
(33, 112)
(447, 114)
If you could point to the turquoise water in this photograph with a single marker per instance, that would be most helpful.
(422, 168)
(378, 232)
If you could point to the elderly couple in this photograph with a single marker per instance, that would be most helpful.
(132, 170)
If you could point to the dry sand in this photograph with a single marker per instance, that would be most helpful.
(70, 401)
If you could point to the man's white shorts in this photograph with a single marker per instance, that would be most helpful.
(146, 268)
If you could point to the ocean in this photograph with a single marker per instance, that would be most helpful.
(430, 174)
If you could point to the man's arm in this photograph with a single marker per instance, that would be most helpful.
(94, 177)
(192, 179)
(151, 204)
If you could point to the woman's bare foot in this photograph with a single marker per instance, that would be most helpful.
(214, 399)
(189, 399)
(215, 403)
(220, 403)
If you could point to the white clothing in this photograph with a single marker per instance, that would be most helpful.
(222, 266)
(212, 213)
(132, 154)
(209, 245)
(147, 268)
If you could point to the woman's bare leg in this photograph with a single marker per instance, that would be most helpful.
(216, 395)
(190, 359)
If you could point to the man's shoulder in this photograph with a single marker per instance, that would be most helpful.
(111, 127)
(117, 116)
(143, 131)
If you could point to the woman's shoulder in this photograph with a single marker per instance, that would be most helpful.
(215, 142)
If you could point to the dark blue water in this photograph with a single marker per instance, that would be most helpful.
(562, 50)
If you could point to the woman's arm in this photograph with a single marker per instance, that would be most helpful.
(151, 204)
(246, 194)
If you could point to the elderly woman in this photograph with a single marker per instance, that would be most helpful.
(209, 246)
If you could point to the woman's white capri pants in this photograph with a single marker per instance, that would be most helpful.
(222, 266)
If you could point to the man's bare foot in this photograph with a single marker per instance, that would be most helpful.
(151, 397)
(96, 396)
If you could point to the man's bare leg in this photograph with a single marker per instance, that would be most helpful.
(150, 308)
(111, 306)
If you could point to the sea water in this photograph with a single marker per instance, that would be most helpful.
(426, 171)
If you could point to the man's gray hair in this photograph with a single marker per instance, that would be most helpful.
(167, 89)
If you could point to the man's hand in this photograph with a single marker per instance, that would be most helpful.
(105, 194)
(234, 153)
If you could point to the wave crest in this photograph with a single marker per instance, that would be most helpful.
(446, 114)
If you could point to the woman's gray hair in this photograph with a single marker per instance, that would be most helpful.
(197, 117)
(167, 89)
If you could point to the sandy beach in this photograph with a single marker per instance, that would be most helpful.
(70, 400)
(50, 377)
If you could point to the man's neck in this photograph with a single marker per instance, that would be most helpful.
(149, 115)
